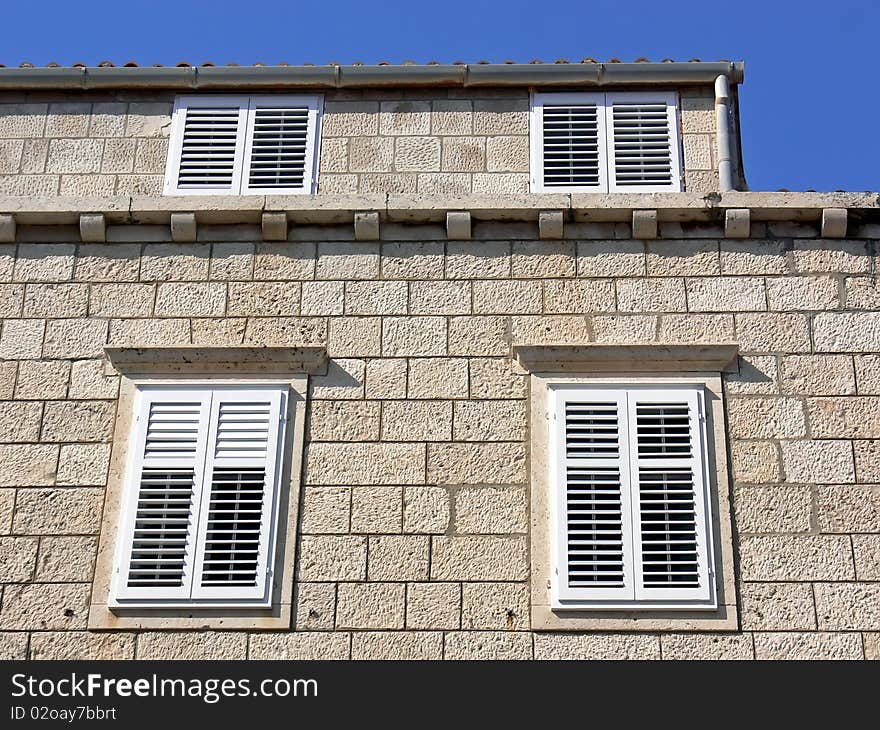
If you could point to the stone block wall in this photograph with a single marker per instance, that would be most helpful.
(447, 142)
(413, 534)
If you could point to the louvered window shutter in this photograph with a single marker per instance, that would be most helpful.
(643, 147)
(164, 491)
(593, 510)
(568, 132)
(280, 150)
(207, 145)
(238, 506)
(671, 535)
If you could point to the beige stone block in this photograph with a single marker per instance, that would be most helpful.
(326, 510)
(580, 296)
(315, 606)
(773, 509)
(495, 606)
(829, 255)
(400, 183)
(697, 114)
(692, 328)
(756, 461)
(592, 647)
(334, 155)
(260, 299)
(845, 508)
(355, 337)
(507, 297)
(454, 117)
(651, 295)
(396, 646)
(376, 297)
(683, 258)
(611, 258)
(847, 331)
(417, 154)
(370, 154)
(332, 558)
(78, 421)
(75, 155)
(802, 293)
(848, 606)
(479, 336)
(11, 300)
(346, 260)
(543, 259)
(788, 333)
(118, 156)
(300, 331)
(625, 329)
(866, 553)
(862, 293)
(175, 262)
(850, 417)
(501, 116)
(81, 645)
(108, 120)
(33, 156)
(139, 184)
(726, 294)
(413, 336)
(370, 606)
(7, 254)
(491, 510)
(807, 646)
(344, 420)
(7, 504)
(417, 421)
(796, 558)
(151, 155)
(337, 184)
(202, 299)
(489, 463)
(44, 262)
(872, 645)
(404, 117)
(818, 375)
(386, 378)
(18, 555)
(500, 420)
(398, 557)
(482, 645)
(818, 461)
(344, 381)
(425, 510)
(66, 559)
(867, 458)
(737, 222)
(45, 607)
(41, 380)
(548, 330)
(75, 338)
(29, 185)
(438, 378)
(444, 183)
(285, 261)
(412, 260)
(20, 422)
(759, 417)
(350, 119)
(122, 300)
(192, 645)
(23, 120)
(478, 259)
(702, 647)
(777, 607)
(8, 370)
(21, 339)
(500, 183)
(351, 464)
(89, 186)
(27, 465)
(439, 297)
(496, 378)
(757, 375)
(148, 119)
(10, 156)
(302, 646)
(322, 298)
(232, 260)
(753, 257)
(82, 464)
(507, 153)
(14, 645)
(483, 558)
(463, 154)
(376, 509)
(432, 606)
(98, 262)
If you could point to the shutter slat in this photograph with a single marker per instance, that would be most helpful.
(571, 145)
(643, 145)
(210, 139)
(279, 147)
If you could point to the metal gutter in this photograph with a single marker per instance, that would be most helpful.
(213, 78)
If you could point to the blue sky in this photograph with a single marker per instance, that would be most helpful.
(810, 102)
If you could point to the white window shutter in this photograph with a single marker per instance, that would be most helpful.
(239, 504)
(281, 145)
(672, 535)
(643, 142)
(568, 149)
(207, 145)
(158, 533)
(592, 502)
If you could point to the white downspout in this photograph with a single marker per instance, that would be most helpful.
(722, 133)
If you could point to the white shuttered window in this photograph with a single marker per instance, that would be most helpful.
(201, 497)
(605, 142)
(248, 145)
(631, 514)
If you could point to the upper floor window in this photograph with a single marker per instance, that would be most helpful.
(605, 142)
(248, 145)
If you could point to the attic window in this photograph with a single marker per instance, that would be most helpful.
(605, 142)
(248, 145)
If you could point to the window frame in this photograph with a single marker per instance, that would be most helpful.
(246, 104)
(604, 100)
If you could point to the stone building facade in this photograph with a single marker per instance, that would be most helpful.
(409, 297)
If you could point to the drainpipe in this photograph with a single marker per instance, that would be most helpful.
(722, 133)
